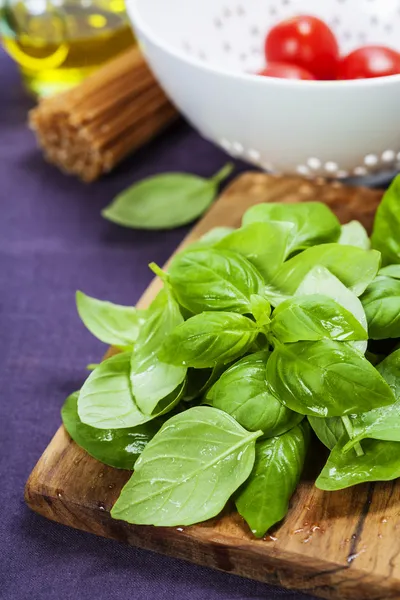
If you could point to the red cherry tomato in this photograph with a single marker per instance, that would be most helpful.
(306, 42)
(369, 61)
(286, 71)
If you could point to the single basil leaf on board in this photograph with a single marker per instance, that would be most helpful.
(210, 279)
(209, 339)
(315, 317)
(243, 393)
(325, 379)
(152, 380)
(380, 462)
(354, 234)
(390, 271)
(118, 448)
(354, 267)
(188, 472)
(328, 431)
(263, 500)
(108, 322)
(381, 302)
(385, 234)
(263, 244)
(319, 280)
(313, 222)
(165, 201)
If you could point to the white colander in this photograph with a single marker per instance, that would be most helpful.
(205, 53)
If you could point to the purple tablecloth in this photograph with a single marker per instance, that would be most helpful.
(53, 241)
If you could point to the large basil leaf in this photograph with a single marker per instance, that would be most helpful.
(265, 245)
(315, 317)
(328, 431)
(152, 380)
(313, 222)
(355, 234)
(210, 279)
(354, 267)
(264, 499)
(319, 280)
(243, 393)
(189, 470)
(385, 234)
(118, 448)
(110, 323)
(325, 379)
(209, 339)
(381, 302)
(380, 462)
(390, 271)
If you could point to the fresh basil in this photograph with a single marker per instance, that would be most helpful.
(108, 322)
(242, 392)
(209, 279)
(354, 234)
(117, 448)
(381, 301)
(328, 431)
(209, 339)
(313, 222)
(189, 470)
(199, 381)
(385, 234)
(263, 500)
(261, 310)
(390, 271)
(325, 379)
(165, 201)
(315, 317)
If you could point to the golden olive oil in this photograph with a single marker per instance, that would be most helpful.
(58, 43)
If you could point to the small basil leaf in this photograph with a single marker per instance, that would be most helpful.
(117, 448)
(354, 267)
(385, 234)
(354, 234)
(152, 380)
(242, 392)
(209, 339)
(381, 302)
(313, 222)
(325, 379)
(263, 500)
(108, 322)
(263, 244)
(260, 309)
(209, 279)
(380, 462)
(390, 271)
(315, 317)
(165, 201)
(328, 431)
(189, 470)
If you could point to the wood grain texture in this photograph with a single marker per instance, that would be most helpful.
(339, 545)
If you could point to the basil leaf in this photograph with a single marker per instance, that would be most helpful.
(209, 339)
(354, 267)
(261, 310)
(380, 462)
(117, 448)
(263, 244)
(108, 322)
(263, 500)
(315, 317)
(209, 279)
(152, 380)
(242, 392)
(165, 201)
(325, 379)
(354, 234)
(319, 280)
(381, 302)
(385, 234)
(390, 271)
(328, 431)
(187, 473)
(313, 222)
(199, 381)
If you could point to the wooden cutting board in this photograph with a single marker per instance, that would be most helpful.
(340, 545)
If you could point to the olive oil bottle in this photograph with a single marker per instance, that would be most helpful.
(58, 43)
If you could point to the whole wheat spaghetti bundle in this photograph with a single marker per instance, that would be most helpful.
(86, 131)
